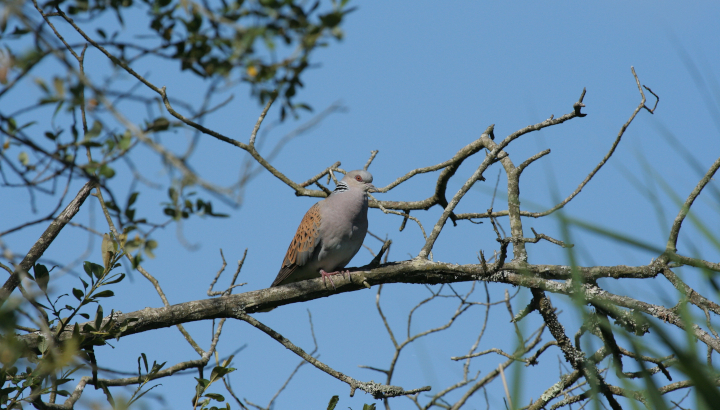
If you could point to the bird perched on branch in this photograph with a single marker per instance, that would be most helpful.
(331, 232)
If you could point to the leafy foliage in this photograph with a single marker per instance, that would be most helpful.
(265, 44)
(56, 359)
(202, 398)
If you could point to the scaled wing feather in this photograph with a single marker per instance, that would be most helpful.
(303, 244)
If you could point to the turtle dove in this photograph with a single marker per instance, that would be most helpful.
(331, 232)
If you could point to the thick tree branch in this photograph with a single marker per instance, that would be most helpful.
(553, 278)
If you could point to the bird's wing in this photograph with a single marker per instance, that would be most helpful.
(302, 246)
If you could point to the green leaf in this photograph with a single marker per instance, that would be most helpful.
(136, 261)
(98, 270)
(156, 367)
(104, 294)
(149, 247)
(106, 171)
(85, 315)
(43, 345)
(333, 402)
(12, 125)
(220, 371)
(303, 106)
(42, 276)
(111, 206)
(131, 200)
(369, 406)
(76, 332)
(40, 83)
(109, 324)
(202, 384)
(144, 358)
(204, 403)
(19, 31)
(120, 278)
(125, 142)
(98, 317)
(215, 396)
(94, 131)
(160, 124)
(90, 144)
(93, 269)
(78, 294)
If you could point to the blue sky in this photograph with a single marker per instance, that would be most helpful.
(420, 80)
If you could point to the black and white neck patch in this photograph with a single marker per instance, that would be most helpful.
(341, 187)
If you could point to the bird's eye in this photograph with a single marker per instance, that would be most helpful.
(358, 178)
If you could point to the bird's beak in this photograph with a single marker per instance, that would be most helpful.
(371, 188)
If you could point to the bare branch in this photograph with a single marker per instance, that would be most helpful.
(232, 283)
(585, 181)
(45, 240)
(370, 160)
(539, 236)
(675, 229)
(377, 390)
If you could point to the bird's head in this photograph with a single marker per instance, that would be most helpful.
(360, 179)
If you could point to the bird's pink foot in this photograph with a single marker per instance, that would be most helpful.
(324, 275)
